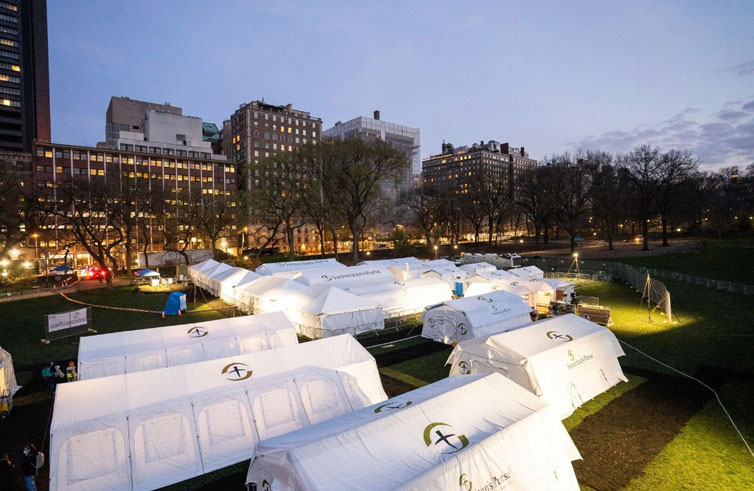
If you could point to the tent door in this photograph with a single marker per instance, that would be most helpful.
(482, 366)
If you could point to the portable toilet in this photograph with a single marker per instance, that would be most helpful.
(176, 304)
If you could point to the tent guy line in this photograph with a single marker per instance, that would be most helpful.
(128, 309)
(720, 402)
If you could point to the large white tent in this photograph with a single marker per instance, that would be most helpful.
(345, 277)
(145, 349)
(565, 290)
(488, 281)
(542, 292)
(401, 298)
(474, 317)
(214, 281)
(461, 433)
(401, 262)
(292, 267)
(528, 273)
(248, 296)
(475, 268)
(439, 268)
(320, 311)
(146, 430)
(233, 281)
(566, 360)
(201, 278)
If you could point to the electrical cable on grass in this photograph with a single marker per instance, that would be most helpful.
(703, 385)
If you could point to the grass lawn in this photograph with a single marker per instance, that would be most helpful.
(22, 323)
(602, 400)
(708, 454)
(728, 260)
(421, 370)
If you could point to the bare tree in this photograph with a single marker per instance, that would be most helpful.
(15, 203)
(180, 221)
(215, 218)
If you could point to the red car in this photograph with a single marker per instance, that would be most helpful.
(94, 273)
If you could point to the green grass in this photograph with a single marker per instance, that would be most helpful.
(708, 454)
(425, 369)
(728, 260)
(602, 400)
(22, 323)
(715, 328)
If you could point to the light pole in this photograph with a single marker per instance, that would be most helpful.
(36, 243)
(435, 251)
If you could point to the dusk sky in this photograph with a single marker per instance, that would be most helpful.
(553, 77)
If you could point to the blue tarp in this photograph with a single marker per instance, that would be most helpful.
(63, 268)
(146, 273)
(176, 304)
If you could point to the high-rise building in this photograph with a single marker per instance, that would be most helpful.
(259, 130)
(24, 75)
(159, 129)
(459, 168)
(404, 138)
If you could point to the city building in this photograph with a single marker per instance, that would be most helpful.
(456, 167)
(212, 134)
(24, 75)
(158, 129)
(259, 130)
(404, 138)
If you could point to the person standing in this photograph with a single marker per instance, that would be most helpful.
(70, 372)
(48, 373)
(29, 467)
(7, 471)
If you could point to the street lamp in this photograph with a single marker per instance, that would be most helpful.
(14, 253)
(435, 251)
(36, 243)
(4, 263)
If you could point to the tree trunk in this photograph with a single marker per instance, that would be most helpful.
(609, 240)
(645, 232)
(489, 230)
(664, 232)
(572, 237)
(322, 242)
(546, 237)
(536, 233)
(334, 236)
(129, 249)
(354, 244)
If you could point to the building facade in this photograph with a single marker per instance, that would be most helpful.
(24, 75)
(457, 167)
(404, 138)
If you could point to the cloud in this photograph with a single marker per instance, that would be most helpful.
(722, 138)
(742, 69)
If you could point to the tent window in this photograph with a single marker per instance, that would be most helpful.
(252, 344)
(91, 455)
(224, 421)
(147, 362)
(221, 348)
(164, 437)
(277, 411)
(184, 355)
(97, 370)
(321, 400)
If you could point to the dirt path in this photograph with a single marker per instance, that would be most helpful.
(617, 442)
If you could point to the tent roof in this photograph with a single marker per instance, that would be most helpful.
(345, 276)
(538, 338)
(207, 266)
(394, 444)
(292, 266)
(397, 261)
(146, 273)
(494, 275)
(238, 277)
(267, 284)
(475, 268)
(220, 269)
(199, 265)
(222, 275)
(527, 272)
(116, 395)
(557, 282)
(324, 299)
(490, 307)
(537, 285)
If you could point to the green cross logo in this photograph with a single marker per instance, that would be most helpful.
(197, 332)
(465, 483)
(391, 406)
(556, 336)
(236, 372)
(451, 442)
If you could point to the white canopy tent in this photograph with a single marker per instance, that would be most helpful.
(292, 267)
(146, 349)
(146, 430)
(198, 270)
(542, 292)
(248, 296)
(345, 277)
(8, 384)
(479, 432)
(488, 281)
(566, 360)
(235, 280)
(476, 268)
(401, 298)
(564, 290)
(440, 268)
(214, 281)
(202, 277)
(398, 261)
(320, 311)
(528, 273)
(474, 317)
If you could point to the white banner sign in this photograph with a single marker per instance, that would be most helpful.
(66, 320)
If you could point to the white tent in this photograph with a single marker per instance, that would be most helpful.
(214, 281)
(488, 281)
(320, 311)
(566, 360)
(8, 384)
(235, 280)
(461, 433)
(345, 277)
(297, 266)
(401, 298)
(564, 289)
(528, 273)
(439, 268)
(145, 349)
(476, 268)
(273, 287)
(146, 430)
(474, 317)
(196, 271)
(542, 292)
(401, 262)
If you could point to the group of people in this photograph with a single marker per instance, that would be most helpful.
(33, 461)
(53, 375)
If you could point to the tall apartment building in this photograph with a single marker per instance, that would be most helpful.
(24, 75)
(404, 138)
(259, 130)
(456, 167)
